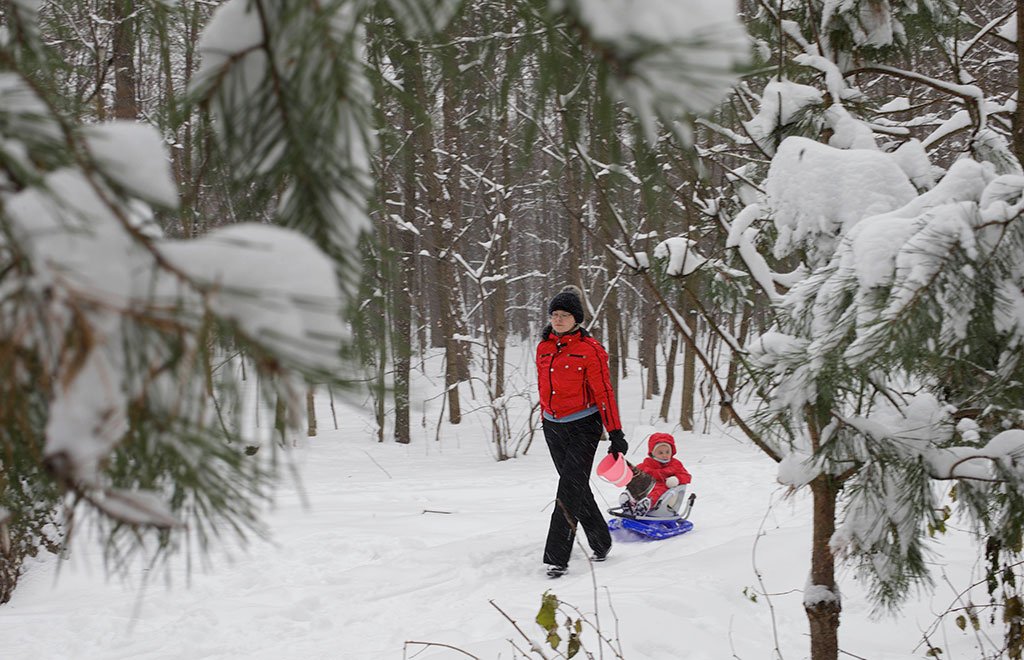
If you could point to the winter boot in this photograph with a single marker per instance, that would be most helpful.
(557, 571)
(626, 503)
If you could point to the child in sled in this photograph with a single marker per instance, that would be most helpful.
(666, 474)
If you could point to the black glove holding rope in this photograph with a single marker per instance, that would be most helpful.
(619, 444)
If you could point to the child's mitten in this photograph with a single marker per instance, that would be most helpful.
(672, 482)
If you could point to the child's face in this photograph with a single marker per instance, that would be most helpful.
(662, 452)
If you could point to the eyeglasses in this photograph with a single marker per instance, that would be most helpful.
(561, 316)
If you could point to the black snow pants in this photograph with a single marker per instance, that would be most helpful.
(572, 446)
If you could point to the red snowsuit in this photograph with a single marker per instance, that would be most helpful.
(662, 471)
(572, 375)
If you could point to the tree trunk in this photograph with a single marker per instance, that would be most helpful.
(455, 148)
(572, 186)
(689, 384)
(99, 77)
(653, 215)
(670, 377)
(380, 377)
(823, 613)
(192, 139)
(10, 571)
(310, 413)
(401, 299)
(383, 267)
(12, 552)
(623, 343)
(334, 413)
(500, 329)
(611, 315)
(503, 240)
(439, 229)
(170, 101)
(451, 379)
(401, 343)
(605, 146)
(123, 58)
(1018, 115)
(725, 411)
(430, 305)
(281, 421)
(649, 353)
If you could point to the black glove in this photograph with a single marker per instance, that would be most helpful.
(619, 444)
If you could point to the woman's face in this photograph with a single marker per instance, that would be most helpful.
(562, 321)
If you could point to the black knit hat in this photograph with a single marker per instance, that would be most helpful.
(569, 299)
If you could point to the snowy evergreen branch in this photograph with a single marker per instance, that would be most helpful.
(108, 331)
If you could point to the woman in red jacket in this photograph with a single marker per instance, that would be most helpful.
(576, 400)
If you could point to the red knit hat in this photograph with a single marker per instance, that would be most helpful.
(657, 439)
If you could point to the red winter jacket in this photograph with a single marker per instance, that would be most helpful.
(662, 471)
(572, 375)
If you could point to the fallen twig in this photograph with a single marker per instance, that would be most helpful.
(446, 646)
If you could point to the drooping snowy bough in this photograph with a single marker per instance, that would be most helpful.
(114, 341)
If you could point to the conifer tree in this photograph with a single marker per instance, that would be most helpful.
(891, 364)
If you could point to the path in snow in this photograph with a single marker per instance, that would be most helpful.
(373, 562)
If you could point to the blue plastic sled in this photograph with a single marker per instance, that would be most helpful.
(652, 527)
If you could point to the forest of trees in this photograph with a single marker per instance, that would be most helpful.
(459, 161)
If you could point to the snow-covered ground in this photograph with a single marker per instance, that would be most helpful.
(436, 542)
